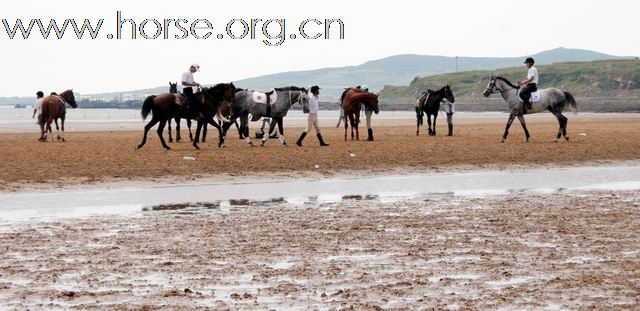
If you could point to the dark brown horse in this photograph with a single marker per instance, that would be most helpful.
(164, 107)
(429, 103)
(352, 103)
(54, 108)
(183, 113)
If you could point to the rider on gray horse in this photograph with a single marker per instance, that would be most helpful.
(531, 83)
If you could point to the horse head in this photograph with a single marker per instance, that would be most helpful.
(69, 98)
(448, 94)
(173, 87)
(491, 87)
(303, 99)
(373, 103)
(230, 92)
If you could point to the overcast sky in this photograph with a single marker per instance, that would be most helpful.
(372, 31)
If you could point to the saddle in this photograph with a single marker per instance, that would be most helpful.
(536, 96)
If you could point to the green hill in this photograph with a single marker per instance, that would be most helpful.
(607, 78)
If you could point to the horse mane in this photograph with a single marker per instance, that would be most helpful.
(291, 88)
(507, 82)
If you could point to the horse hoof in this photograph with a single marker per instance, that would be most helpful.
(502, 141)
(567, 138)
(63, 139)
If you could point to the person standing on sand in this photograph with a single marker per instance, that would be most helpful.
(188, 83)
(449, 109)
(312, 118)
(37, 111)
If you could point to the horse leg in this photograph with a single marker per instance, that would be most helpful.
(512, 116)
(189, 126)
(178, 137)
(62, 127)
(266, 136)
(417, 123)
(244, 124)
(169, 125)
(147, 127)
(435, 117)
(346, 126)
(352, 121)
(524, 127)
(429, 123)
(196, 139)
(57, 129)
(281, 130)
(357, 127)
(564, 126)
(160, 130)
(204, 133)
(219, 128)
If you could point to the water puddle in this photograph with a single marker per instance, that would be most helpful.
(228, 195)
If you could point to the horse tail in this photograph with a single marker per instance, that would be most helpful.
(571, 101)
(147, 106)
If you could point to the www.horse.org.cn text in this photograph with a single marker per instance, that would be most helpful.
(270, 31)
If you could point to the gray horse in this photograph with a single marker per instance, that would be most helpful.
(552, 100)
(244, 105)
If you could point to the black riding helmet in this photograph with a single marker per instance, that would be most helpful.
(529, 60)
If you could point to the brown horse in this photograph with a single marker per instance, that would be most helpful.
(54, 108)
(351, 104)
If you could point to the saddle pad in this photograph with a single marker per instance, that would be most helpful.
(261, 98)
(536, 96)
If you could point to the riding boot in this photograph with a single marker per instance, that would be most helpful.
(302, 136)
(370, 136)
(450, 130)
(322, 143)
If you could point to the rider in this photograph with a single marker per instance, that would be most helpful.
(187, 89)
(531, 83)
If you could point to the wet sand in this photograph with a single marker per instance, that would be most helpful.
(98, 157)
(566, 250)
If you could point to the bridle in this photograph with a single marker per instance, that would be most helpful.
(493, 86)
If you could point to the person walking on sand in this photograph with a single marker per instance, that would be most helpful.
(530, 83)
(188, 83)
(37, 111)
(312, 118)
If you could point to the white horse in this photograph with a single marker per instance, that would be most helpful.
(552, 100)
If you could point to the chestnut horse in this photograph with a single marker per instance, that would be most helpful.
(352, 103)
(54, 108)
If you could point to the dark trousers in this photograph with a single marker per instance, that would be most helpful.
(525, 94)
(192, 102)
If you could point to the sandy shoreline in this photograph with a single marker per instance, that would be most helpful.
(89, 158)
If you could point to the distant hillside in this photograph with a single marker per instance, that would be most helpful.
(610, 78)
(394, 70)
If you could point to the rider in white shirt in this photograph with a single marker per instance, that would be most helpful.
(37, 111)
(531, 83)
(188, 83)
